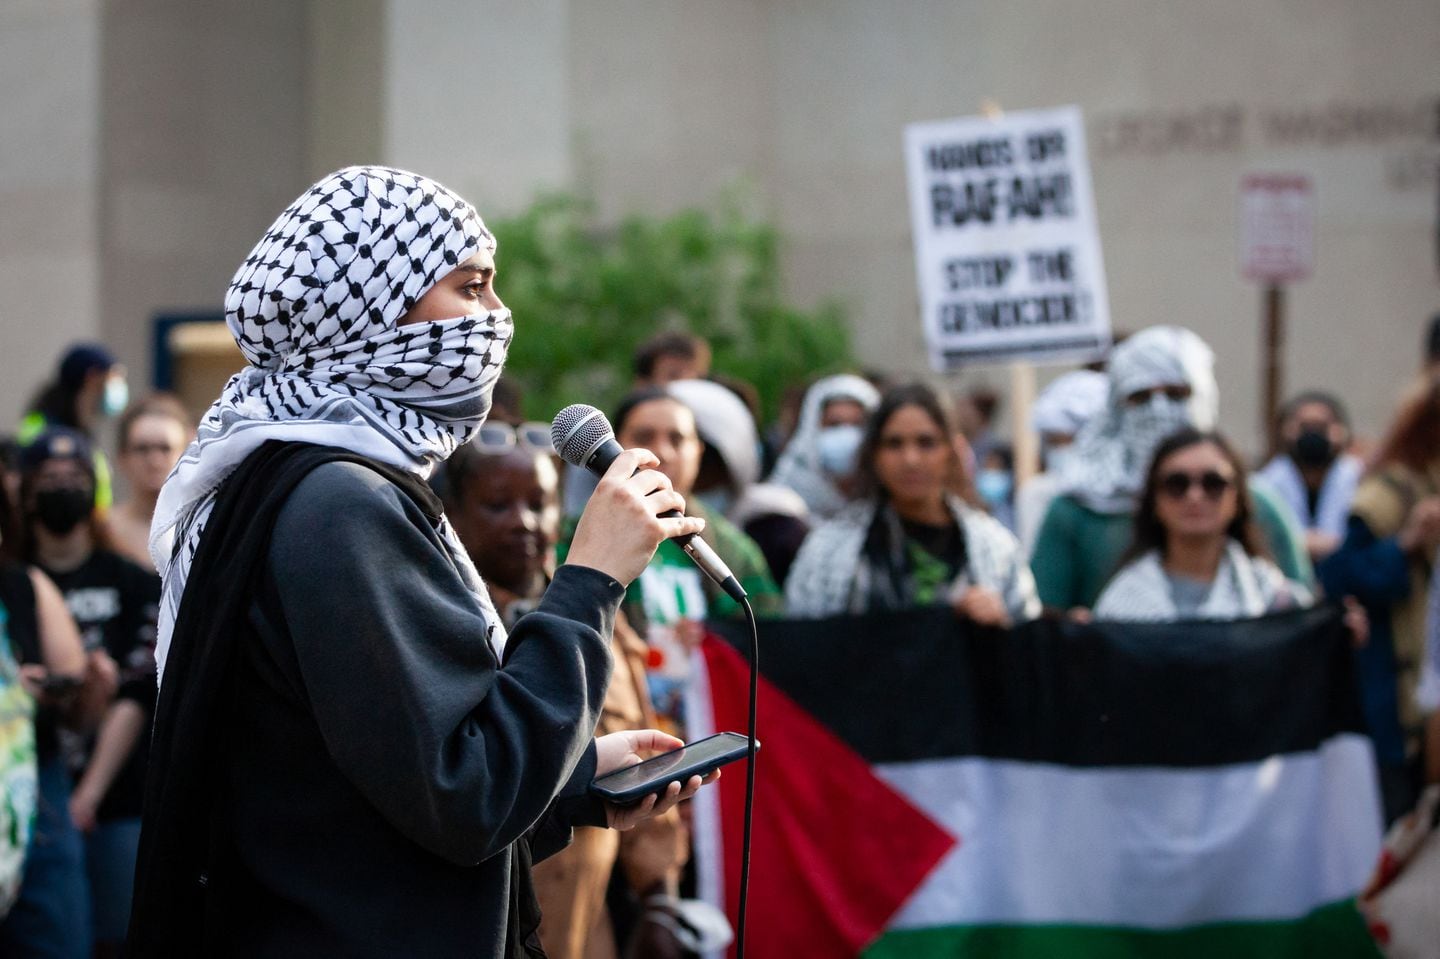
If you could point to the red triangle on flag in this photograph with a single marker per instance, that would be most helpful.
(836, 851)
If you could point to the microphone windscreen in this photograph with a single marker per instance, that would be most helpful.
(577, 430)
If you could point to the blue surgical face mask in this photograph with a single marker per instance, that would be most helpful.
(993, 486)
(839, 447)
(115, 398)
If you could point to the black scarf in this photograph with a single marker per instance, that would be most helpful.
(178, 835)
(884, 550)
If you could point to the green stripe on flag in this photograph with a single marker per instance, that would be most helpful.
(1336, 930)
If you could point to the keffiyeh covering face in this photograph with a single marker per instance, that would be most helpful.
(1068, 403)
(1113, 451)
(315, 308)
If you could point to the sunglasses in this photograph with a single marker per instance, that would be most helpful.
(1211, 483)
(499, 437)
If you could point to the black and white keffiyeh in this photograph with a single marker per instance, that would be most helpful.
(315, 309)
(1245, 587)
(832, 576)
(1113, 450)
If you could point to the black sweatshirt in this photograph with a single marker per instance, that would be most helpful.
(382, 766)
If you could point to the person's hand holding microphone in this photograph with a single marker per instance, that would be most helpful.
(617, 535)
(622, 526)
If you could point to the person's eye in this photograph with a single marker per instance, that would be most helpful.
(475, 289)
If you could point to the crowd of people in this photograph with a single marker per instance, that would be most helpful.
(80, 597)
(870, 496)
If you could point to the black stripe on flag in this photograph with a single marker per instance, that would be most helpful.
(922, 685)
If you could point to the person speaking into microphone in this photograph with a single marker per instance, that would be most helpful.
(350, 757)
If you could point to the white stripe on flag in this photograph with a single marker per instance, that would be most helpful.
(1156, 848)
(706, 851)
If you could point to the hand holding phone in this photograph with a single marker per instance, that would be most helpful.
(630, 785)
(51, 688)
(59, 686)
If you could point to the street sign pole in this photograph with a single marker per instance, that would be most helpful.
(1277, 238)
(1274, 326)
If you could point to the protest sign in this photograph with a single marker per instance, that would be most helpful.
(1007, 250)
(1277, 227)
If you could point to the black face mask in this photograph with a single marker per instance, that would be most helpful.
(1313, 448)
(61, 510)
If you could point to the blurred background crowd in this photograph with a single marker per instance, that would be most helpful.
(866, 494)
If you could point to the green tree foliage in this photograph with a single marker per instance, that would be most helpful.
(584, 297)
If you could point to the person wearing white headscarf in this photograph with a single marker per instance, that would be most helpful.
(1059, 413)
(821, 454)
(1160, 380)
(775, 517)
(728, 431)
(348, 758)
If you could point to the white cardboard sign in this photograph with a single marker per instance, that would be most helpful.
(1007, 248)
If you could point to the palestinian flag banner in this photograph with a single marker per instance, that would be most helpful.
(931, 788)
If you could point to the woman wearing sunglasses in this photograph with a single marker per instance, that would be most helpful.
(1197, 553)
(1161, 380)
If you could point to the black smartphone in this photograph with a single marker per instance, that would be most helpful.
(57, 686)
(634, 783)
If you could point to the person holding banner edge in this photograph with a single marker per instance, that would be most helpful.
(1197, 553)
(914, 540)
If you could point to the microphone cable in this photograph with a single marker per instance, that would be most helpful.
(749, 779)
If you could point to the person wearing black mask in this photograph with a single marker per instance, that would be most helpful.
(1313, 473)
(114, 602)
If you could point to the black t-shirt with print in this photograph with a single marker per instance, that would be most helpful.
(115, 603)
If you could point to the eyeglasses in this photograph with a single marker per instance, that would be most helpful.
(1211, 483)
(499, 437)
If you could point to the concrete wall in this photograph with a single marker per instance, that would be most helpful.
(477, 95)
(850, 76)
(204, 143)
(149, 142)
(50, 251)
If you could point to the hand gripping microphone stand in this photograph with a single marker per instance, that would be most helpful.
(583, 437)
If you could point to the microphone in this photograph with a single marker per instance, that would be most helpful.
(583, 437)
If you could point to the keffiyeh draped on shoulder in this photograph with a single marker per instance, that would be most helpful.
(1245, 587)
(315, 308)
(833, 575)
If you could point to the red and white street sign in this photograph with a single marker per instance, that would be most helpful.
(1277, 227)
